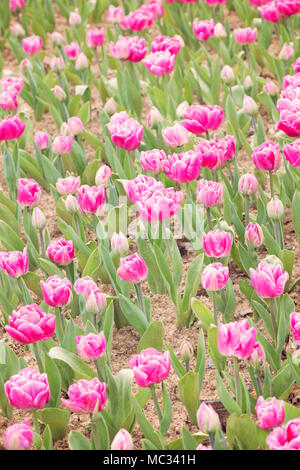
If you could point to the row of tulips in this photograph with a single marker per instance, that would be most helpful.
(123, 215)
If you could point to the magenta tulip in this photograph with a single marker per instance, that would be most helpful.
(85, 395)
(28, 389)
(150, 366)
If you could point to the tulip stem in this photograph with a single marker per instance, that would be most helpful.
(95, 433)
(62, 320)
(35, 422)
(38, 357)
(77, 225)
(254, 124)
(154, 397)
(277, 232)
(271, 184)
(273, 310)
(247, 210)
(209, 219)
(215, 308)
(42, 243)
(98, 370)
(141, 298)
(237, 379)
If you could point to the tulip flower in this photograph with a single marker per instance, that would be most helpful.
(28, 192)
(122, 441)
(68, 185)
(270, 413)
(85, 286)
(61, 252)
(285, 438)
(85, 395)
(91, 346)
(217, 243)
(28, 390)
(207, 419)
(19, 436)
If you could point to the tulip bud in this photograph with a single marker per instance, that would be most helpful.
(186, 351)
(64, 129)
(296, 358)
(275, 209)
(122, 441)
(103, 175)
(286, 52)
(207, 419)
(96, 302)
(119, 244)
(154, 118)
(254, 235)
(57, 64)
(18, 436)
(248, 184)
(74, 19)
(272, 259)
(38, 219)
(257, 22)
(249, 105)
(59, 93)
(75, 125)
(82, 62)
(227, 74)
(271, 88)
(181, 109)
(220, 31)
(57, 39)
(71, 204)
(110, 107)
(248, 82)
(25, 64)
(18, 30)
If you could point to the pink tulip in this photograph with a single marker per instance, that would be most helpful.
(152, 160)
(269, 279)
(85, 286)
(245, 35)
(133, 269)
(271, 88)
(204, 29)
(199, 119)
(14, 263)
(154, 118)
(136, 21)
(119, 244)
(295, 326)
(131, 48)
(296, 65)
(209, 193)
(68, 185)
(153, 8)
(30, 323)
(61, 251)
(32, 44)
(85, 395)
(72, 50)
(288, 7)
(62, 144)
(91, 198)
(42, 140)
(150, 366)
(19, 436)
(110, 107)
(125, 132)
(121, 50)
(57, 38)
(11, 128)
(28, 389)
(159, 204)
(286, 438)
(103, 175)
(96, 302)
(8, 102)
(292, 153)
(160, 63)
(289, 122)
(258, 354)
(18, 30)
(75, 125)
(139, 186)
(28, 192)
(57, 64)
(286, 52)
(82, 62)
(91, 346)
(15, 4)
(166, 43)
(57, 291)
(275, 209)
(175, 136)
(215, 277)
(122, 441)
(38, 219)
(269, 12)
(270, 413)
(207, 419)
(249, 105)
(236, 339)
(12, 85)
(217, 243)
(182, 167)
(267, 156)
(211, 154)
(74, 19)
(215, 2)
(114, 14)
(248, 184)
(254, 235)
(259, 2)
(202, 447)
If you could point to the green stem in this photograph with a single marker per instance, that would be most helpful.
(273, 310)
(154, 397)
(247, 209)
(209, 219)
(141, 298)
(77, 225)
(38, 357)
(215, 308)
(95, 433)
(187, 365)
(36, 425)
(42, 243)
(99, 371)
(62, 320)
(237, 381)
(254, 124)
(277, 232)
(271, 184)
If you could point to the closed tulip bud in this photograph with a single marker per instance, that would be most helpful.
(272, 259)
(122, 441)
(271, 88)
(64, 129)
(57, 39)
(254, 235)
(220, 31)
(75, 125)
(82, 62)
(296, 358)
(96, 302)
(181, 109)
(57, 64)
(74, 19)
(248, 82)
(38, 219)
(18, 30)
(110, 107)
(248, 184)
(119, 244)
(286, 52)
(227, 74)
(71, 204)
(103, 175)
(275, 209)
(207, 419)
(18, 436)
(186, 351)
(154, 118)
(249, 106)
(25, 64)
(59, 93)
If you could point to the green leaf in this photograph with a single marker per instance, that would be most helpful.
(58, 421)
(146, 427)
(47, 438)
(229, 403)
(54, 381)
(188, 440)
(78, 441)
(167, 410)
(153, 337)
(134, 315)
(189, 393)
(241, 432)
(81, 369)
(203, 313)
(218, 359)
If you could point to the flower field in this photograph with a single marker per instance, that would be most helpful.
(149, 225)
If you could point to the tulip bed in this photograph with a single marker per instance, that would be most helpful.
(149, 224)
